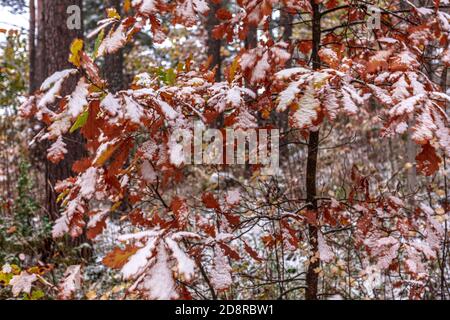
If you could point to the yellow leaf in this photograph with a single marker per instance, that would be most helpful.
(233, 69)
(106, 154)
(75, 49)
(62, 195)
(115, 206)
(112, 13)
(127, 6)
(91, 295)
(117, 289)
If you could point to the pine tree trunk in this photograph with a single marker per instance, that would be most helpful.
(312, 277)
(32, 47)
(55, 52)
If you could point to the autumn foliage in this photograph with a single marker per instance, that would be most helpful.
(184, 236)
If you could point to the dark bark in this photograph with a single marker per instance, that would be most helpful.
(214, 45)
(32, 47)
(251, 40)
(312, 277)
(286, 20)
(57, 40)
(114, 63)
(40, 44)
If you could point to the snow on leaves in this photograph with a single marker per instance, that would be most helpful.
(161, 258)
(115, 40)
(77, 191)
(187, 10)
(259, 63)
(22, 283)
(325, 252)
(221, 272)
(78, 99)
(311, 95)
(70, 283)
(52, 86)
(151, 265)
(57, 150)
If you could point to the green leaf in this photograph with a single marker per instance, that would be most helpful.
(81, 121)
(5, 278)
(170, 76)
(37, 294)
(98, 41)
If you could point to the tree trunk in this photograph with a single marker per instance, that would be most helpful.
(214, 45)
(40, 44)
(311, 169)
(286, 20)
(113, 67)
(251, 40)
(55, 52)
(32, 47)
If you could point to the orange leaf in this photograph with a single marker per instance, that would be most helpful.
(252, 252)
(230, 252)
(223, 14)
(106, 154)
(117, 258)
(81, 165)
(310, 216)
(427, 160)
(209, 201)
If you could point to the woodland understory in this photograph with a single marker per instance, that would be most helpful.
(98, 202)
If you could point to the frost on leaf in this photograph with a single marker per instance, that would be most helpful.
(221, 271)
(60, 126)
(306, 113)
(224, 95)
(78, 99)
(187, 10)
(70, 283)
(147, 172)
(113, 41)
(57, 151)
(258, 63)
(151, 266)
(87, 183)
(288, 96)
(158, 283)
(53, 86)
(111, 105)
(146, 6)
(133, 110)
(56, 77)
(185, 265)
(311, 95)
(385, 250)
(325, 252)
(71, 220)
(22, 283)
(233, 197)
